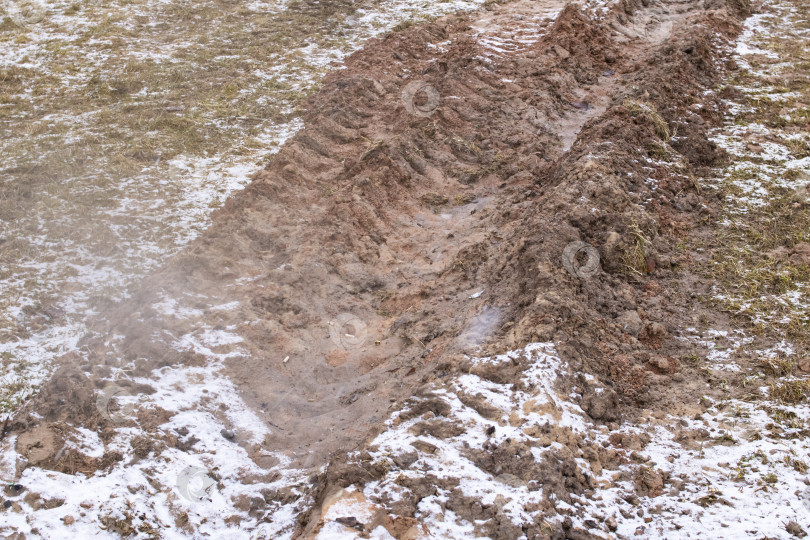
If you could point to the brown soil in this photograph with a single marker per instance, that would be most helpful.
(399, 220)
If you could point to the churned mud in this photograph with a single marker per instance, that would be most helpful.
(474, 296)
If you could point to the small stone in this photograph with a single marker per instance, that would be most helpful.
(510, 480)
(656, 330)
(630, 322)
(612, 243)
(228, 434)
(352, 522)
(68, 520)
(559, 51)
(611, 523)
(52, 503)
(406, 459)
(424, 446)
(661, 363)
(601, 403)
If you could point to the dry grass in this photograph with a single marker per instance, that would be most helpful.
(93, 115)
(15, 389)
(634, 258)
(749, 269)
(778, 367)
(649, 112)
(791, 392)
(797, 464)
(768, 215)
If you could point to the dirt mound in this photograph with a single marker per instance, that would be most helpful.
(345, 220)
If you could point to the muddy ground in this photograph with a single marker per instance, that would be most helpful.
(397, 234)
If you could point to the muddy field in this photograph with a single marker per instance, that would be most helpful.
(537, 270)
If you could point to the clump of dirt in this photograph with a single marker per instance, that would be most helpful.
(68, 397)
(45, 423)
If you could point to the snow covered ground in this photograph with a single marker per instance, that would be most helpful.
(767, 183)
(112, 163)
(736, 470)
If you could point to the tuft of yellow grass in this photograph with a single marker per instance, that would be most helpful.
(650, 113)
(791, 392)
